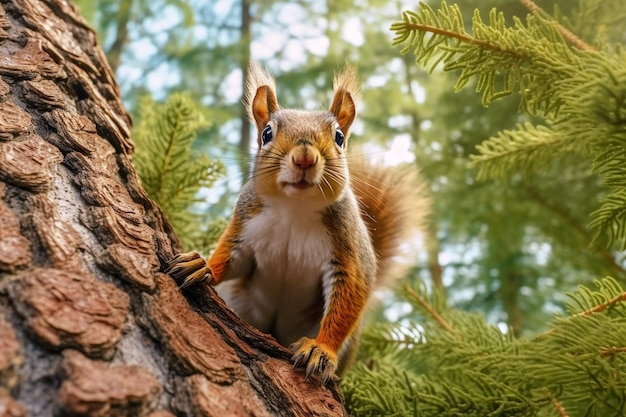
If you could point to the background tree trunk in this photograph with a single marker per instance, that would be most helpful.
(88, 324)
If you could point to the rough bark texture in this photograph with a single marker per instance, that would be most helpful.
(89, 326)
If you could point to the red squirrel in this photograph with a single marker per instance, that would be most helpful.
(313, 232)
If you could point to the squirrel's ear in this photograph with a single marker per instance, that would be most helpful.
(263, 105)
(260, 98)
(346, 96)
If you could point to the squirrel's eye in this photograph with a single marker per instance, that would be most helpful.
(267, 135)
(339, 138)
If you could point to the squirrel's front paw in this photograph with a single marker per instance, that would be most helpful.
(188, 268)
(315, 358)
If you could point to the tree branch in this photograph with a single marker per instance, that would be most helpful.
(558, 407)
(613, 351)
(603, 306)
(121, 37)
(450, 34)
(567, 35)
(426, 306)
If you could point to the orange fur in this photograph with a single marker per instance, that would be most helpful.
(394, 203)
(220, 258)
(349, 296)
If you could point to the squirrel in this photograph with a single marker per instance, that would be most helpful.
(313, 233)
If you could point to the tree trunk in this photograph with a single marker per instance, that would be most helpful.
(245, 42)
(114, 54)
(89, 326)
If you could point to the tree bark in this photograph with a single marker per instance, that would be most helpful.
(89, 326)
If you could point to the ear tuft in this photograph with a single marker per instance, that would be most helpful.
(346, 97)
(259, 94)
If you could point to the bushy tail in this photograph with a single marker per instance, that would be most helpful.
(394, 205)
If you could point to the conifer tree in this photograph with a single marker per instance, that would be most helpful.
(576, 89)
(450, 363)
(171, 172)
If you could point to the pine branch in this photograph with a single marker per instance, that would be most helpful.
(518, 56)
(446, 33)
(479, 372)
(558, 406)
(613, 351)
(580, 92)
(585, 302)
(170, 171)
(426, 306)
(609, 220)
(601, 307)
(567, 35)
(525, 149)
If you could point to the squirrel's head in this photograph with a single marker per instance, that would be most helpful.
(301, 154)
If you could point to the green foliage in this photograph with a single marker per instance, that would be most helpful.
(444, 362)
(584, 300)
(171, 172)
(523, 238)
(579, 92)
(451, 363)
(520, 57)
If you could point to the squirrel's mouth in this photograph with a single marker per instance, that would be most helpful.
(300, 185)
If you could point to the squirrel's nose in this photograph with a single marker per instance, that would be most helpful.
(304, 160)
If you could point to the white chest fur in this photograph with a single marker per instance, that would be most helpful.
(291, 248)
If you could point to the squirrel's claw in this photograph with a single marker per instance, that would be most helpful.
(188, 268)
(315, 358)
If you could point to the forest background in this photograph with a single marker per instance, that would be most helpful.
(507, 247)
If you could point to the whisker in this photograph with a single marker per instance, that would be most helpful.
(319, 186)
(363, 154)
(264, 172)
(329, 186)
